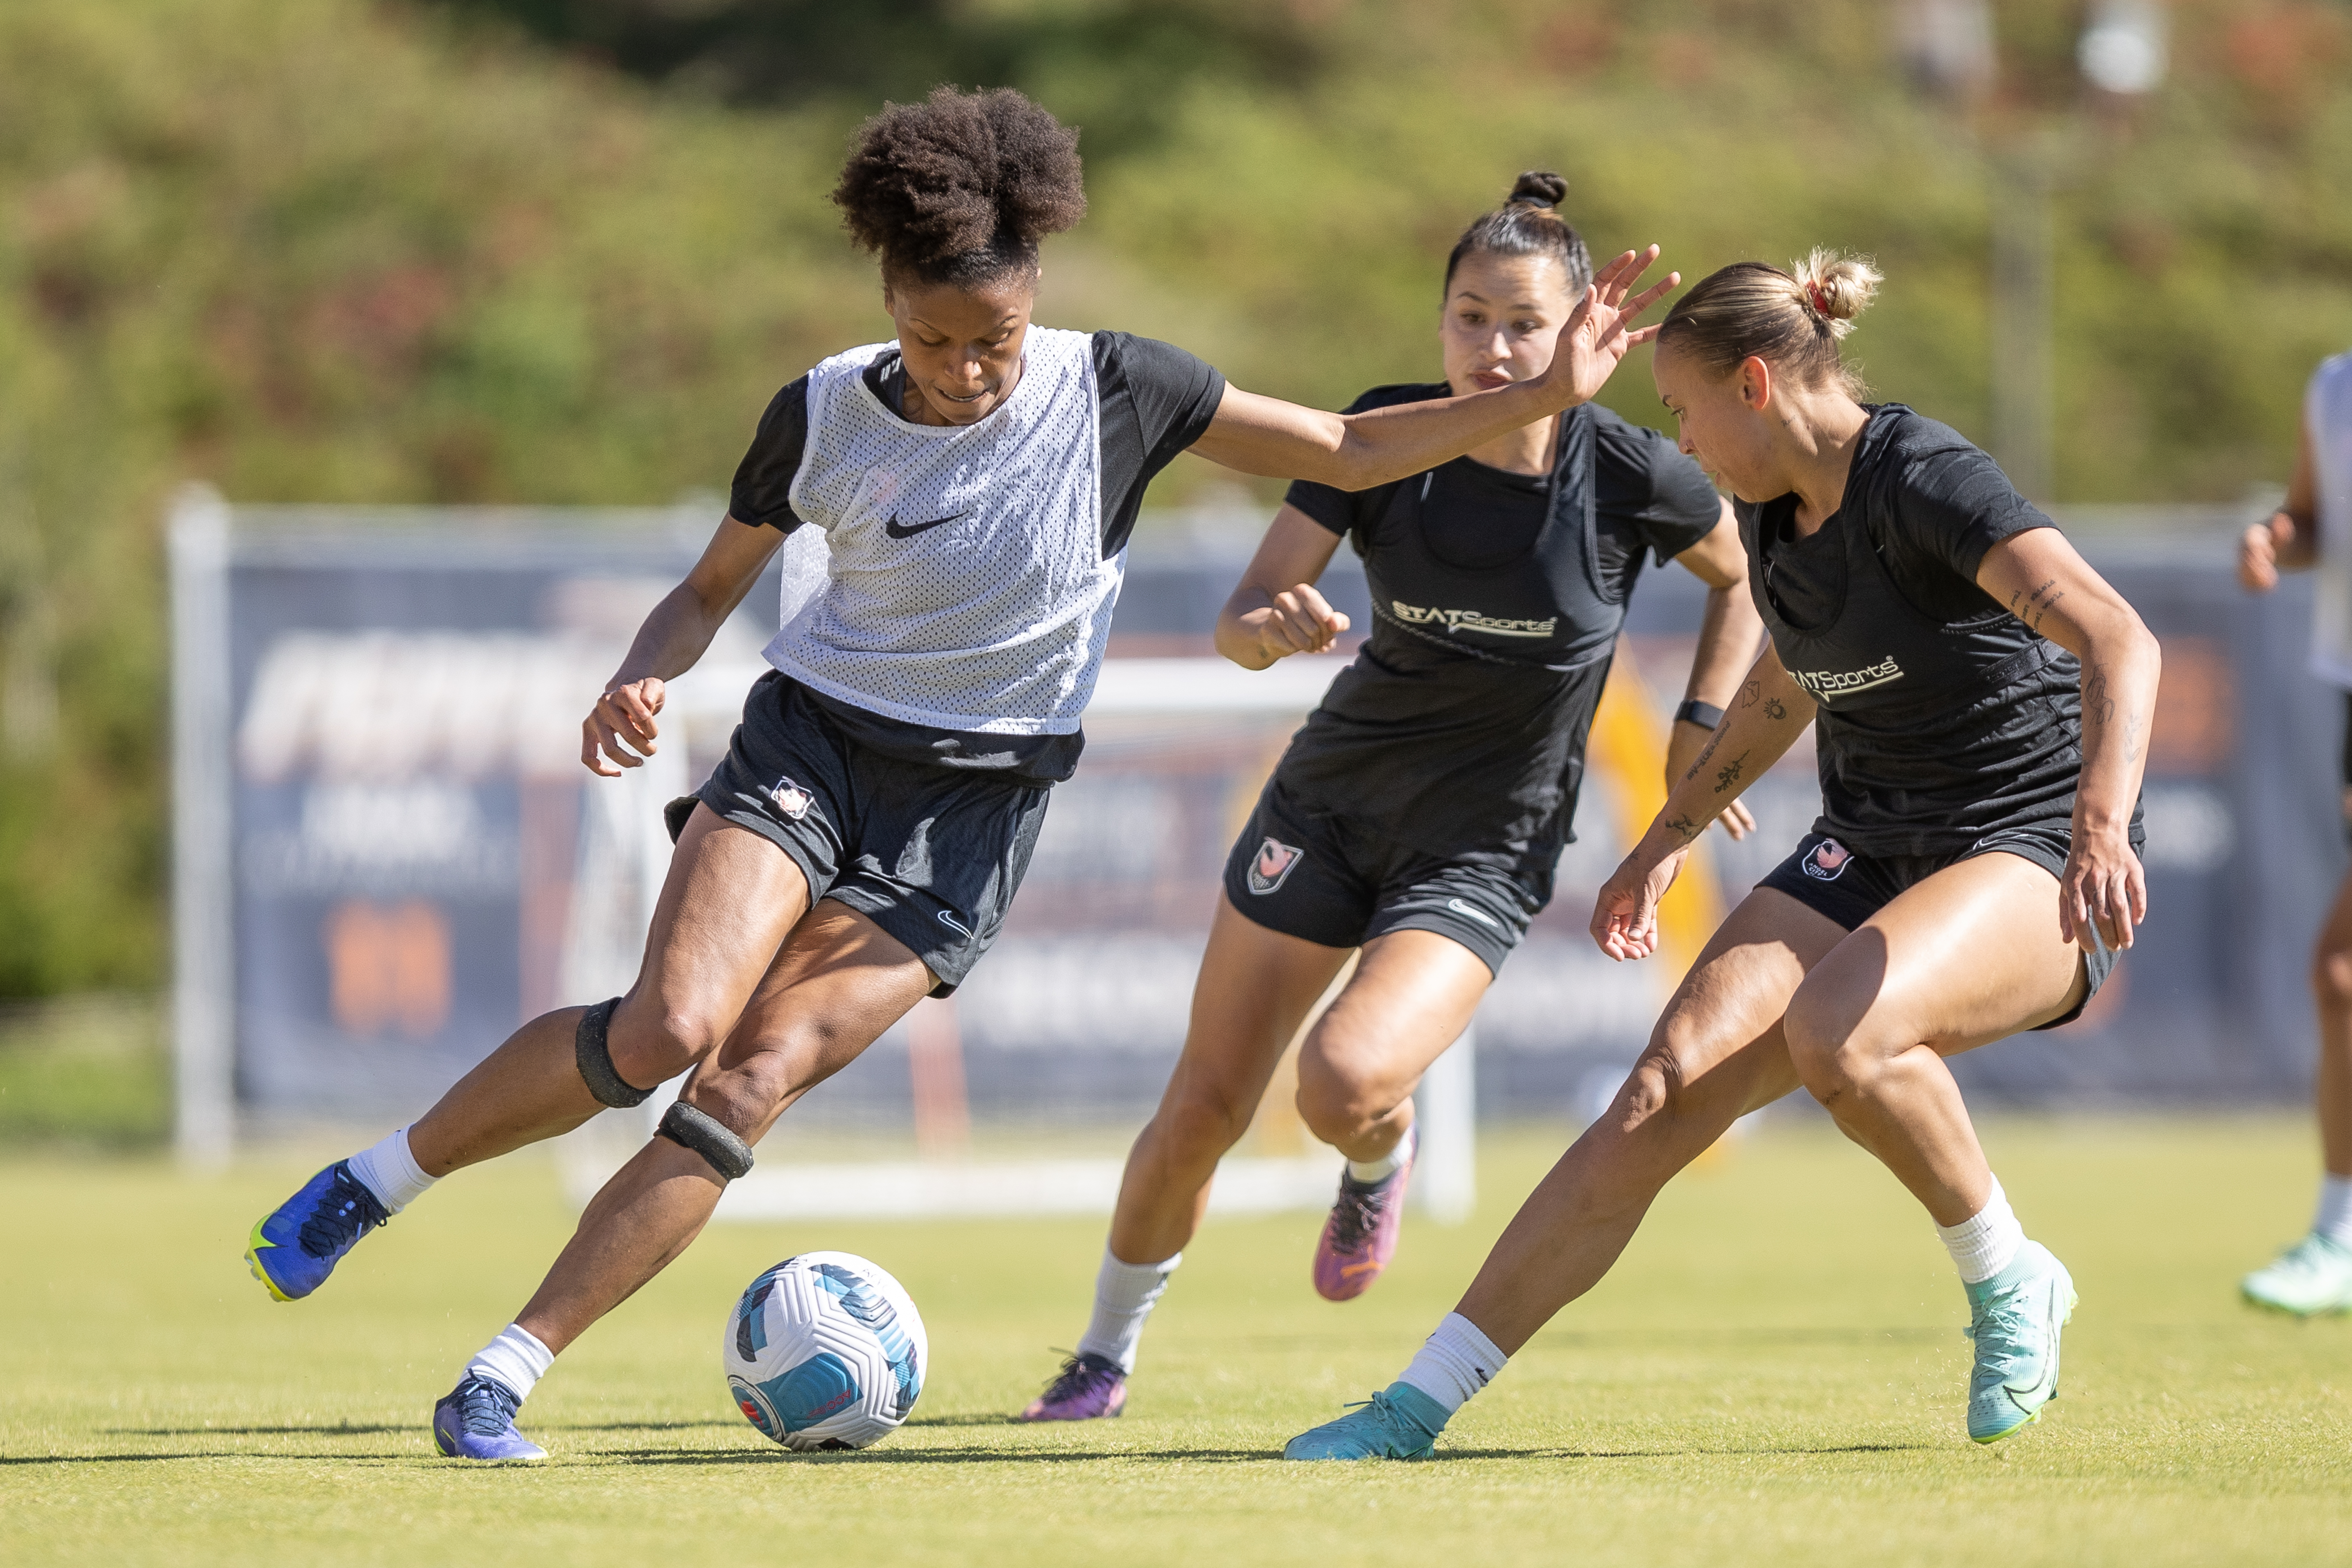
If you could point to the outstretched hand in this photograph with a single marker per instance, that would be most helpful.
(623, 719)
(1626, 915)
(1595, 336)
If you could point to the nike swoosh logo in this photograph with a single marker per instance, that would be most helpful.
(895, 531)
(2049, 1378)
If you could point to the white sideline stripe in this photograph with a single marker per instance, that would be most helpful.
(912, 1190)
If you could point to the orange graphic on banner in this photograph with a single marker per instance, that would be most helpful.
(388, 967)
(1629, 749)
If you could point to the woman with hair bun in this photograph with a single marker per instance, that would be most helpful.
(1980, 702)
(1417, 816)
(975, 481)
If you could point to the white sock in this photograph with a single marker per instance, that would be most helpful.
(1458, 1362)
(1124, 1296)
(392, 1173)
(515, 1358)
(1987, 1242)
(2333, 1219)
(1387, 1165)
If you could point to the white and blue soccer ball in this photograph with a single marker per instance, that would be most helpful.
(826, 1350)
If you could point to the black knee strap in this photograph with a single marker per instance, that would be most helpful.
(706, 1136)
(595, 1055)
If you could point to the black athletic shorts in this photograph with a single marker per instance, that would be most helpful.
(1824, 874)
(932, 856)
(1338, 882)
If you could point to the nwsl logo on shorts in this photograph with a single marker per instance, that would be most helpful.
(791, 799)
(1828, 861)
(1272, 864)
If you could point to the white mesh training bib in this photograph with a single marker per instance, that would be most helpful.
(2327, 417)
(966, 587)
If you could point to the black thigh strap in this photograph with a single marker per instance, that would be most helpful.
(691, 1129)
(595, 1059)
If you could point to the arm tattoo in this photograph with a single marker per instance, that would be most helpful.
(1750, 692)
(2096, 703)
(2037, 603)
(1685, 828)
(1775, 708)
(1706, 752)
(1728, 774)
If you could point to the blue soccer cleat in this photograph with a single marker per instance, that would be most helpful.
(2016, 1318)
(475, 1420)
(1400, 1422)
(294, 1249)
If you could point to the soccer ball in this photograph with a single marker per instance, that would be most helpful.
(826, 1350)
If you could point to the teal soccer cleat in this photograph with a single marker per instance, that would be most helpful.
(1400, 1422)
(2313, 1276)
(2016, 1317)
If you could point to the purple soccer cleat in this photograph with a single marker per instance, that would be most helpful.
(1360, 1236)
(1087, 1388)
(475, 1420)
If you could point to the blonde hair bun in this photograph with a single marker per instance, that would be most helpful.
(1836, 287)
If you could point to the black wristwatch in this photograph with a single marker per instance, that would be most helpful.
(1705, 715)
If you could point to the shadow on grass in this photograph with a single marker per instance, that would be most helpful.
(1792, 1448)
(777, 1456)
(336, 1430)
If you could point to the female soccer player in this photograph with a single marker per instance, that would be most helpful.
(1418, 815)
(1969, 770)
(2313, 528)
(976, 480)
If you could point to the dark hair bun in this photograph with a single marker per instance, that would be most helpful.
(961, 185)
(1541, 187)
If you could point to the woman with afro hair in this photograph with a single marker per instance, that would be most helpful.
(975, 479)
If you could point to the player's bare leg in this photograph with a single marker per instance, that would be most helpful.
(2315, 1276)
(1716, 1055)
(726, 906)
(730, 898)
(839, 982)
(1947, 965)
(836, 985)
(1411, 997)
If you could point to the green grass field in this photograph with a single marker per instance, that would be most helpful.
(1772, 1374)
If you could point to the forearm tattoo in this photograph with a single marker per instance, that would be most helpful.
(1750, 692)
(1775, 708)
(1728, 774)
(1685, 828)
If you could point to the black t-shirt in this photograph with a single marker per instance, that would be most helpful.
(1941, 718)
(1496, 601)
(1154, 400)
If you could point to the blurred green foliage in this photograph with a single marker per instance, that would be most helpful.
(89, 1068)
(553, 251)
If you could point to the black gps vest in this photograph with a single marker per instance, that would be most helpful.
(1464, 717)
(1929, 733)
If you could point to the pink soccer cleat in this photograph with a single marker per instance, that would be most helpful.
(1360, 1236)
(1088, 1388)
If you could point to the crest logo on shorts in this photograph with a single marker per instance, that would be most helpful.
(1828, 861)
(1273, 862)
(791, 799)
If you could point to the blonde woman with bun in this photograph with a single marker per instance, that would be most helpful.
(1980, 702)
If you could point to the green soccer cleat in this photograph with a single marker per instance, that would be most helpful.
(1399, 1423)
(2016, 1317)
(2313, 1276)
